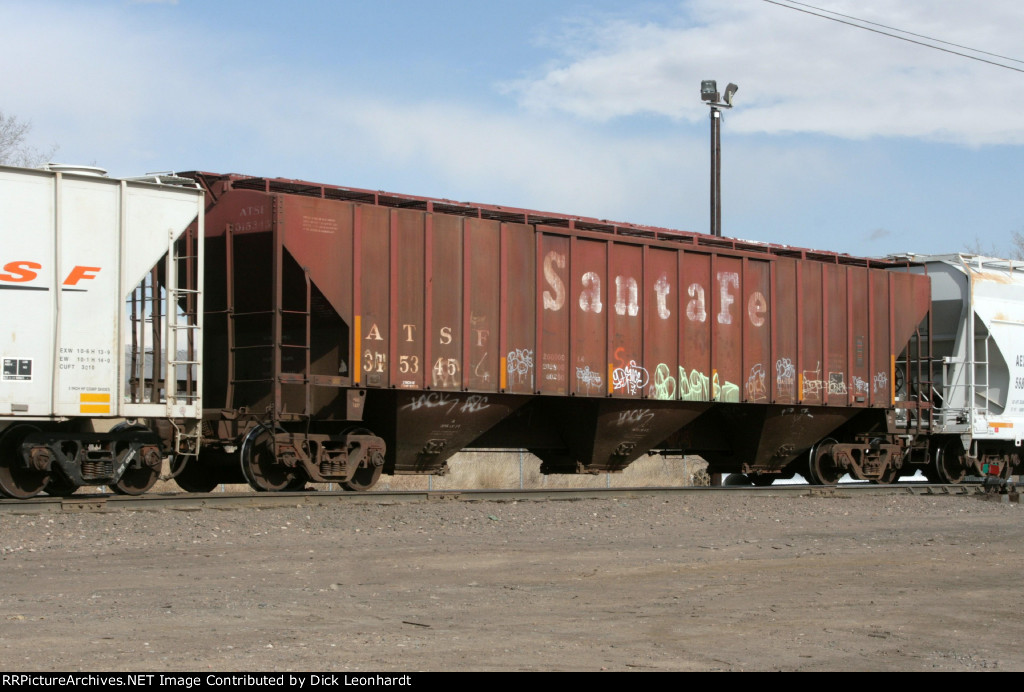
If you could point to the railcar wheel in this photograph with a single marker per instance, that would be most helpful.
(363, 479)
(891, 475)
(17, 480)
(260, 465)
(297, 484)
(58, 486)
(195, 476)
(822, 468)
(949, 465)
(137, 479)
(761, 480)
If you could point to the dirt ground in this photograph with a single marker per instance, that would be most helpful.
(705, 582)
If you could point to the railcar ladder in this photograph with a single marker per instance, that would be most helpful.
(919, 364)
(183, 335)
(306, 316)
(233, 315)
(182, 325)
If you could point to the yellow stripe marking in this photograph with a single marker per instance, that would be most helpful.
(94, 398)
(359, 349)
(892, 379)
(94, 408)
(504, 373)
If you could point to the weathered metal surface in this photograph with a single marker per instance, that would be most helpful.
(539, 314)
(553, 317)
(694, 382)
(408, 279)
(784, 316)
(592, 435)
(425, 429)
(518, 326)
(879, 329)
(372, 306)
(587, 370)
(444, 324)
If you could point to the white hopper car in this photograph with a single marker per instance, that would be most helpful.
(976, 383)
(101, 313)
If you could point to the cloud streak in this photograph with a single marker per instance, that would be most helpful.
(797, 73)
(607, 130)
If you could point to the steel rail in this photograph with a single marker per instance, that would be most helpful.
(231, 501)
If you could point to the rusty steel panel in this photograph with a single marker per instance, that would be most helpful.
(481, 252)
(427, 428)
(880, 357)
(317, 239)
(588, 369)
(809, 369)
(444, 355)
(244, 211)
(661, 322)
(695, 359)
(454, 303)
(836, 318)
(910, 300)
(859, 345)
(755, 316)
(726, 314)
(408, 269)
(785, 324)
(373, 309)
(449, 302)
(610, 433)
(318, 234)
(552, 313)
(518, 276)
(628, 374)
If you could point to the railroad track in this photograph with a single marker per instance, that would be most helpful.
(98, 502)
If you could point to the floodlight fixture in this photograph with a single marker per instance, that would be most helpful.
(709, 90)
(730, 91)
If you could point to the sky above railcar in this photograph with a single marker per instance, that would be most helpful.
(841, 139)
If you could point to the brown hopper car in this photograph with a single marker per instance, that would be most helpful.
(350, 332)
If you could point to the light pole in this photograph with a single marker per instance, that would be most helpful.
(709, 94)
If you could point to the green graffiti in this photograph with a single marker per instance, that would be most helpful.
(693, 387)
(664, 385)
(727, 392)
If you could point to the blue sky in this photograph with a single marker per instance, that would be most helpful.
(841, 139)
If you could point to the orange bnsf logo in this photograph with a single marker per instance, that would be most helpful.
(24, 271)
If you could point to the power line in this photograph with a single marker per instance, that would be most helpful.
(902, 38)
(909, 33)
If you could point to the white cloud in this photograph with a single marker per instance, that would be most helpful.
(115, 89)
(798, 73)
(116, 93)
(460, 151)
